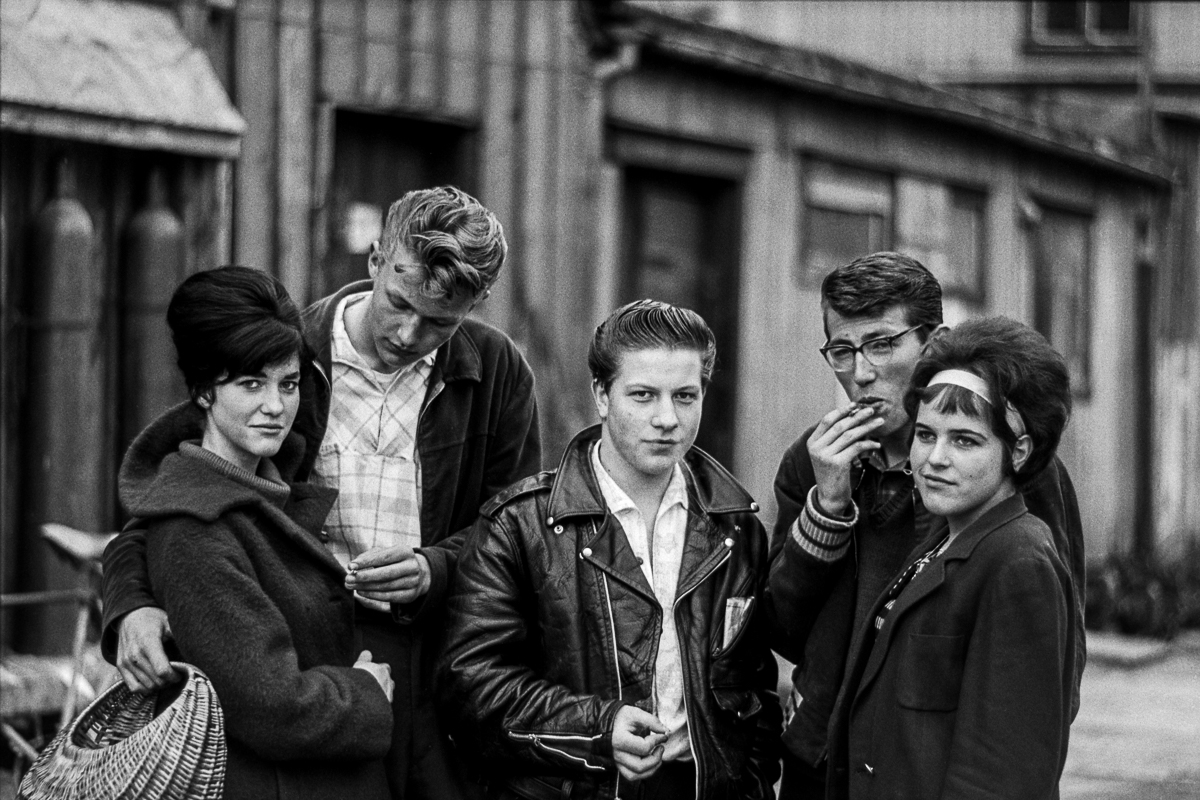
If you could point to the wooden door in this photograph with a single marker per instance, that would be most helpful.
(377, 158)
(682, 246)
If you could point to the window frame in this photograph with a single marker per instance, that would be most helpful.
(1043, 285)
(1091, 39)
(805, 274)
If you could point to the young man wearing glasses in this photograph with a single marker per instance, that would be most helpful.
(848, 512)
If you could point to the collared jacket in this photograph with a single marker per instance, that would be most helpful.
(256, 601)
(478, 433)
(811, 603)
(552, 627)
(965, 692)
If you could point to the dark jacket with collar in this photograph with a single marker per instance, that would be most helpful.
(477, 435)
(478, 431)
(966, 691)
(553, 627)
(256, 601)
(811, 603)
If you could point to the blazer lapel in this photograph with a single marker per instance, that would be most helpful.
(926, 582)
(922, 585)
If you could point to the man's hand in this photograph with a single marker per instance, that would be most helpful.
(838, 440)
(637, 742)
(141, 658)
(390, 575)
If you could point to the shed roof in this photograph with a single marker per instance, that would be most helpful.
(121, 73)
(821, 73)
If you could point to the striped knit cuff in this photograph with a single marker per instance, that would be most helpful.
(823, 537)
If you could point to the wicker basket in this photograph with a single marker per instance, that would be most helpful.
(120, 748)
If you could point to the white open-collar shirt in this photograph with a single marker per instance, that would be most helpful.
(660, 560)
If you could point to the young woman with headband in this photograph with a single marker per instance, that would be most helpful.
(959, 683)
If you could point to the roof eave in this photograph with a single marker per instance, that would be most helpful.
(822, 74)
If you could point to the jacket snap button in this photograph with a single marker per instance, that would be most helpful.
(549, 520)
(558, 528)
(754, 507)
(587, 552)
(729, 542)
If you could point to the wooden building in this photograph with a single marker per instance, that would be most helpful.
(628, 153)
(1126, 75)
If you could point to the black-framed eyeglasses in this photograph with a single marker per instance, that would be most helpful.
(877, 352)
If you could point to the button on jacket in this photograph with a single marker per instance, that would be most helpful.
(552, 627)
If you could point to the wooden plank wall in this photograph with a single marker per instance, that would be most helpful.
(111, 184)
(512, 71)
(784, 384)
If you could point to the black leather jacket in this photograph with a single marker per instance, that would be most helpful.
(552, 628)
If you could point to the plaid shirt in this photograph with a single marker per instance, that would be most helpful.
(369, 453)
(660, 556)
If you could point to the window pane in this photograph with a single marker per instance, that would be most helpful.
(1063, 17)
(1112, 17)
(835, 238)
(965, 243)
(1064, 279)
(847, 213)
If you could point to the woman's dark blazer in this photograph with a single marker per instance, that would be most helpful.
(966, 692)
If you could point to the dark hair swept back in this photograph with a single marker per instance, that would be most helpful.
(1019, 367)
(232, 321)
(646, 325)
(871, 284)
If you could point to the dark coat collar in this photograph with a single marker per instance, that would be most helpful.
(155, 480)
(576, 491)
(457, 360)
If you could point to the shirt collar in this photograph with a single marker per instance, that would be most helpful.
(343, 348)
(617, 500)
(875, 459)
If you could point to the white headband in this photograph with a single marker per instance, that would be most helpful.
(977, 385)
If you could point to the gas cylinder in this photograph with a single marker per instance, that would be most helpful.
(153, 267)
(66, 408)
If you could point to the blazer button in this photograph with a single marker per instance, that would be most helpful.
(640, 561)
(754, 507)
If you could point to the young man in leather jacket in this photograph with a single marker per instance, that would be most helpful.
(604, 637)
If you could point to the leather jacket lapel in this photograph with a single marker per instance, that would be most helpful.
(703, 550)
(611, 552)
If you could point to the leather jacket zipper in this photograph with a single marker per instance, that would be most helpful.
(537, 739)
(687, 678)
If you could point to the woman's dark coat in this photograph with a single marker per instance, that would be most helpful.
(256, 601)
(967, 690)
